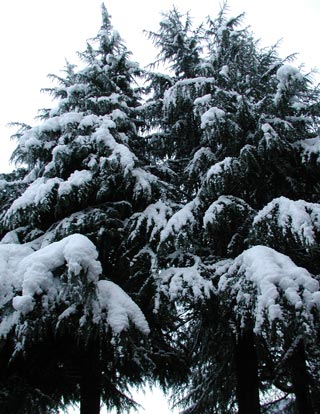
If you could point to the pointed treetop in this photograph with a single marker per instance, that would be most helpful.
(109, 39)
(106, 18)
(178, 43)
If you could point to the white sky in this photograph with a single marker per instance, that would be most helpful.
(37, 35)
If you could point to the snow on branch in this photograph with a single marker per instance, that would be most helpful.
(187, 89)
(37, 194)
(287, 76)
(309, 147)
(10, 256)
(120, 153)
(298, 217)
(219, 167)
(184, 282)
(221, 206)
(53, 280)
(34, 137)
(121, 309)
(264, 284)
(76, 179)
(182, 218)
(153, 219)
(203, 156)
(211, 116)
(222, 176)
(144, 181)
(36, 271)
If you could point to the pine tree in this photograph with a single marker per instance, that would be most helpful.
(250, 191)
(63, 226)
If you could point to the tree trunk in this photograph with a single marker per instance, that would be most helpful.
(90, 385)
(247, 375)
(301, 380)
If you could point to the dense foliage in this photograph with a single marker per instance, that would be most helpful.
(170, 237)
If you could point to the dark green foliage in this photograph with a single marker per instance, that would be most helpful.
(178, 43)
(240, 129)
(85, 175)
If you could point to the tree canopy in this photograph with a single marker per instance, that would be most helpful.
(167, 232)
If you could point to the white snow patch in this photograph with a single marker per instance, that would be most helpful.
(49, 125)
(215, 208)
(26, 274)
(121, 309)
(36, 193)
(187, 88)
(195, 166)
(120, 153)
(224, 71)
(143, 182)
(219, 167)
(287, 72)
(76, 179)
(310, 146)
(123, 156)
(211, 116)
(276, 278)
(30, 139)
(10, 238)
(118, 114)
(203, 100)
(77, 88)
(300, 217)
(89, 120)
(69, 118)
(35, 271)
(185, 282)
(182, 218)
(286, 75)
(155, 217)
(10, 257)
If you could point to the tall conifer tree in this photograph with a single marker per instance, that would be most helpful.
(250, 190)
(63, 221)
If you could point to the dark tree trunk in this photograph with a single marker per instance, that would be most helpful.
(90, 384)
(247, 374)
(301, 380)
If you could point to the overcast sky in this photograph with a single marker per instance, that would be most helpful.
(36, 36)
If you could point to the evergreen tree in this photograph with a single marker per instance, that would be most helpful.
(251, 189)
(62, 305)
